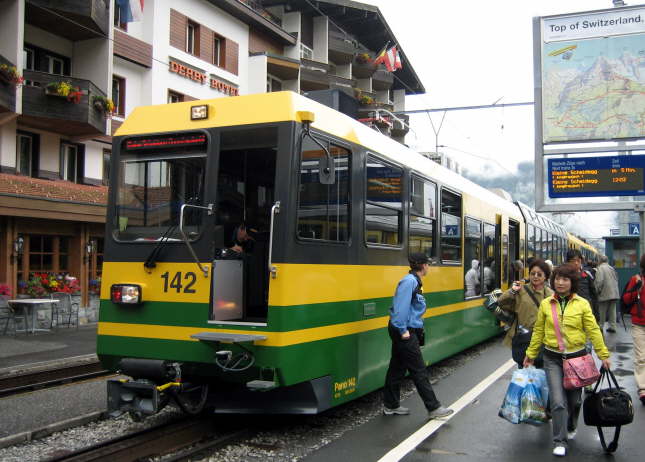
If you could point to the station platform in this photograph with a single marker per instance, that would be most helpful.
(475, 432)
(46, 348)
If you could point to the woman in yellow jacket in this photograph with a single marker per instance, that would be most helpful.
(577, 323)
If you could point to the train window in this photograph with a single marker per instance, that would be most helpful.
(450, 227)
(491, 265)
(505, 271)
(323, 209)
(421, 235)
(530, 239)
(154, 180)
(473, 257)
(383, 203)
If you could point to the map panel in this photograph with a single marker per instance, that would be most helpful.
(593, 89)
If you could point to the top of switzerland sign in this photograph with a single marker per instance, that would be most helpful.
(593, 76)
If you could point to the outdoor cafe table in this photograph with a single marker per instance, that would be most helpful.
(28, 307)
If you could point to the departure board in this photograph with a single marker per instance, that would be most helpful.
(596, 176)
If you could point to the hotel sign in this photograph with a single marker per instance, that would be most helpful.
(202, 78)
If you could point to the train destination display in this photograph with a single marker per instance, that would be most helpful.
(596, 176)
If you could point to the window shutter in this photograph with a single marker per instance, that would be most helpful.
(178, 23)
(80, 164)
(231, 53)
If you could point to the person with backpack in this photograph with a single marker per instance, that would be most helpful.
(524, 300)
(586, 286)
(406, 331)
(632, 303)
(607, 289)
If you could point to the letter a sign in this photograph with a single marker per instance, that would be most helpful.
(634, 229)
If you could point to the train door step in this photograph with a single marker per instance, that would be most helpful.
(222, 337)
(261, 385)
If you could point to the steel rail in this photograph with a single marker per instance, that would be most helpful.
(21, 383)
(155, 441)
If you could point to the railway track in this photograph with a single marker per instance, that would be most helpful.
(27, 381)
(186, 438)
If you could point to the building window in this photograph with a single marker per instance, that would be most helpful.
(217, 50)
(118, 95)
(24, 154)
(383, 204)
(28, 59)
(118, 20)
(423, 206)
(306, 52)
(473, 257)
(192, 38)
(450, 227)
(273, 84)
(55, 65)
(69, 162)
(323, 209)
(174, 97)
(107, 156)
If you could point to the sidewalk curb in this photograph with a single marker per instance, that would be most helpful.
(52, 428)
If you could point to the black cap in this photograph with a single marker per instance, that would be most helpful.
(418, 258)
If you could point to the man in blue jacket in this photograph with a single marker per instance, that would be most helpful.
(406, 331)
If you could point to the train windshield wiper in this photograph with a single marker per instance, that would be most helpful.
(165, 237)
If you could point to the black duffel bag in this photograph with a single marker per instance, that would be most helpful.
(609, 407)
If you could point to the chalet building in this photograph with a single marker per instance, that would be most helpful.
(62, 65)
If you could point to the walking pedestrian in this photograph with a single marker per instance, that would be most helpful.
(524, 300)
(407, 334)
(633, 296)
(587, 289)
(607, 289)
(577, 323)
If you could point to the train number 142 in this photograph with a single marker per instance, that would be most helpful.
(189, 280)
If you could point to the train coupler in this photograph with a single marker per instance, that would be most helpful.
(138, 397)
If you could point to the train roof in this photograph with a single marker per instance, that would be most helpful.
(286, 106)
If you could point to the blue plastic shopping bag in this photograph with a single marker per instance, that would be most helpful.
(533, 400)
(511, 406)
(526, 397)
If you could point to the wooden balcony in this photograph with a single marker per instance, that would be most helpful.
(341, 48)
(363, 70)
(56, 113)
(7, 90)
(382, 80)
(87, 18)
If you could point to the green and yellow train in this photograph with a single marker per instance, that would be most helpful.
(298, 324)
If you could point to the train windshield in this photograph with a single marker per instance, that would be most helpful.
(156, 177)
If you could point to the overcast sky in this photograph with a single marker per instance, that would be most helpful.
(474, 52)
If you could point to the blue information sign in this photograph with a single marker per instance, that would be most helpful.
(597, 176)
(634, 229)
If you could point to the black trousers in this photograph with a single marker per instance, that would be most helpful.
(406, 357)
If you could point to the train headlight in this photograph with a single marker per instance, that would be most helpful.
(125, 294)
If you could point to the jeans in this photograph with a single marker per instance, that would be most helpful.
(607, 309)
(638, 334)
(565, 404)
(406, 356)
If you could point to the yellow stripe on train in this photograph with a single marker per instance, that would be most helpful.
(274, 339)
(296, 284)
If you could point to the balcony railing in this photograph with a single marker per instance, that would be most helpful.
(72, 19)
(7, 90)
(256, 6)
(57, 113)
(341, 48)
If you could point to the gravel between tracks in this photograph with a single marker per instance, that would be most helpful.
(279, 439)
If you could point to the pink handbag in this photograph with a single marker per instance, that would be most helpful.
(578, 372)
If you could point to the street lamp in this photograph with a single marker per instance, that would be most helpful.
(90, 248)
(18, 247)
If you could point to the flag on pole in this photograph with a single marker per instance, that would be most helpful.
(131, 10)
(390, 58)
